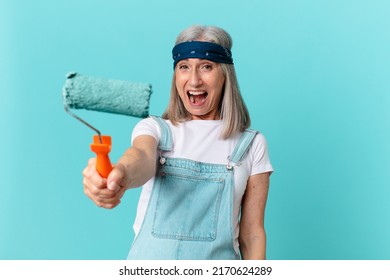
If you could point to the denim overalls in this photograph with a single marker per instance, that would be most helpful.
(189, 215)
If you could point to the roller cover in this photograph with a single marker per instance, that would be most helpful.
(104, 95)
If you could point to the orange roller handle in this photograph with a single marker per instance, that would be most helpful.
(103, 163)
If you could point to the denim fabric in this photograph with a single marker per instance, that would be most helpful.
(189, 215)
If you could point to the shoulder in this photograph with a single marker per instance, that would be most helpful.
(259, 145)
(146, 126)
(260, 140)
(259, 155)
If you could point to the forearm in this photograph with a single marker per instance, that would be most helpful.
(253, 245)
(138, 168)
(139, 164)
(252, 234)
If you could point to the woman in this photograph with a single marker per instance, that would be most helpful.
(205, 176)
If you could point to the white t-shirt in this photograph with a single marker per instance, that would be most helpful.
(200, 140)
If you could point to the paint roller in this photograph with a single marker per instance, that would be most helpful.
(104, 95)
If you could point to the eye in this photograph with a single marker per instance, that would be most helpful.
(183, 66)
(207, 67)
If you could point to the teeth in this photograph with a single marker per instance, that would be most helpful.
(196, 92)
(193, 95)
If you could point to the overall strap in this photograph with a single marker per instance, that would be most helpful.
(242, 146)
(165, 143)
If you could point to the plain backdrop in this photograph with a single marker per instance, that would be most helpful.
(314, 74)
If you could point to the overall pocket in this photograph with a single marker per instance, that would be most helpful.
(187, 207)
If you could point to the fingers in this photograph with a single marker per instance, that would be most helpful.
(92, 175)
(95, 187)
(105, 202)
(116, 177)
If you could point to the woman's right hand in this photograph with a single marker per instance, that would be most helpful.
(133, 169)
(95, 187)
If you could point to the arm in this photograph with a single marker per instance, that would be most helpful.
(252, 235)
(134, 168)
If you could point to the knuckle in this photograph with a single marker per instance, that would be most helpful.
(95, 191)
(85, 172)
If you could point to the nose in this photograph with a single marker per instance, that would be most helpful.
(195, 78)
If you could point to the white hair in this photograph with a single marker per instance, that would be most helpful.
(232, 109)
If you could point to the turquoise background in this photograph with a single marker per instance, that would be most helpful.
(314, 74)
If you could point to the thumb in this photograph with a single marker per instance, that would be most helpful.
(115, 178)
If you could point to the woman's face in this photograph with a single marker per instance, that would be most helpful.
(199, 83)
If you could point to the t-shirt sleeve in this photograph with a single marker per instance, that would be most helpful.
(260, 157)
(146, 126)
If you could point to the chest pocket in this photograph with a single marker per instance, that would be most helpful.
(187, 206)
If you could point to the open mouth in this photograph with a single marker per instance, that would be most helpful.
(197, 97)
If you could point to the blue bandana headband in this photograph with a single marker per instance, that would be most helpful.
(202, 50)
